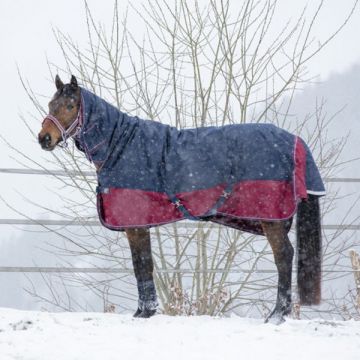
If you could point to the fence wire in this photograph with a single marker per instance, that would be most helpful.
(93, 173)
(94, 270)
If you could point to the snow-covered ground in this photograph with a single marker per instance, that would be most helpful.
(90, 336)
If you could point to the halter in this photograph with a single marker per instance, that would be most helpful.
(67, 133)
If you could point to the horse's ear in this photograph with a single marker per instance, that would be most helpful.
(59, 84)
(73, 82)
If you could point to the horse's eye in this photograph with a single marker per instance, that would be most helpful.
(70, 107)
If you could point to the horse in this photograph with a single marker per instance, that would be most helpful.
(251, 177)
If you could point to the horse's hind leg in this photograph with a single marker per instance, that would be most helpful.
(283, 251)
(140, 246)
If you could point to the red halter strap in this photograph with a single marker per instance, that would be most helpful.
(67, 133)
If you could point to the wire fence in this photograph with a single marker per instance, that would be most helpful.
(95, 222)
(93, 173)
(100, 270)
(189, 225)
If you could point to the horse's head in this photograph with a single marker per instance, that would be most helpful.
(63, 119)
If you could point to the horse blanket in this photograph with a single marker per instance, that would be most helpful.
(151, 174)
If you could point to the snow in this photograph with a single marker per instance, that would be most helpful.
(57, 336)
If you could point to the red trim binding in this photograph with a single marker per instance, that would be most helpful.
(251, 200)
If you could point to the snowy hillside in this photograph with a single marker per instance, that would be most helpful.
(90, 336)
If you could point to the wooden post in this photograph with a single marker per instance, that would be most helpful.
(355, 262)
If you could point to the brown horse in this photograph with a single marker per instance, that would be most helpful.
(64, 121)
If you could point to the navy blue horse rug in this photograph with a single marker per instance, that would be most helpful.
(151, 174)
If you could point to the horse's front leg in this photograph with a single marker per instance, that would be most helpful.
(283, 254)
(140, 246)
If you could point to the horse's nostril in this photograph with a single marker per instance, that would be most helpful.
(45, 141)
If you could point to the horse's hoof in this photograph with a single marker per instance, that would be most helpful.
(145, 314)
(275, 319)
(137, 313)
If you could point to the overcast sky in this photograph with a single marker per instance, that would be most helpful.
(26, 40)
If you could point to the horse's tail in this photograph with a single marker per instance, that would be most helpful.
(308, 231)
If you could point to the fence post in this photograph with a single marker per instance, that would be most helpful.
(355, 262)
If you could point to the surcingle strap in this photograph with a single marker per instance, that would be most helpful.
(220, 202)
(180, 206)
